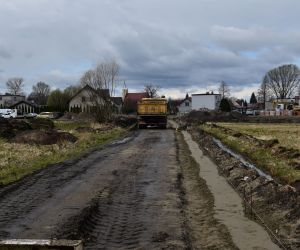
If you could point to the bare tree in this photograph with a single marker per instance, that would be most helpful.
(224, 90)
(15, 85)
(283, 80)
(40, 93)
(88, 78)
(263, 93)
(152, 90)
(102, 80)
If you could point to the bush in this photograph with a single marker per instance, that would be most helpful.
(225, 105)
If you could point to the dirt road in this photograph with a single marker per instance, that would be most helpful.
(140, 193)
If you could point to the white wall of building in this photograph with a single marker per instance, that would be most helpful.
(208, 101)
(185, 106)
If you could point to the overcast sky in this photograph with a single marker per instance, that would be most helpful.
(183, 46)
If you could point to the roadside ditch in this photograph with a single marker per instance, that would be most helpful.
(275, 206)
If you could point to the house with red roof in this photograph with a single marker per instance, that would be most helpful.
(131, 99)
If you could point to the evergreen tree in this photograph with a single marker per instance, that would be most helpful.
(225, 105)
(253, 99)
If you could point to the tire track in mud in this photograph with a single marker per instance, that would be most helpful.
(113, 219)
(121, 197)
(117, 218)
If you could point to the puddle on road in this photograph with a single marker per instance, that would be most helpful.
(122, 141)
(245, 233)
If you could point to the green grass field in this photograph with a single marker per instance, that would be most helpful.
(18, 160)
(276, 160)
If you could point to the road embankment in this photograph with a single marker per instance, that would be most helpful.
(273, 205)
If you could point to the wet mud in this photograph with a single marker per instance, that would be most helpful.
(245, 233)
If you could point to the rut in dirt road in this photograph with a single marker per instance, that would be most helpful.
(135, 211)
(123, 196)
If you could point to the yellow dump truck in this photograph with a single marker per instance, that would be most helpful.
(153, 112)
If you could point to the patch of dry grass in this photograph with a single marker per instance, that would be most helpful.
(287, 134)
(18, 160)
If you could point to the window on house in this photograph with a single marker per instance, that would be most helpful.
(83, 99)
(15, 98)
(187, 104)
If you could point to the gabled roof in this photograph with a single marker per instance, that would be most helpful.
(135, 97)
(100, 92)
(236, 104)
(25, 102)
(186, 99)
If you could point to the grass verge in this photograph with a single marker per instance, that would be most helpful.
(280, 166)
(18, 160)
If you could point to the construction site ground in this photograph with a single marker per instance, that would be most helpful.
(142, 192)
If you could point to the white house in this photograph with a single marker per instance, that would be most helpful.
(186, 105)
(87, 98)
(10, 99)
(206, 101)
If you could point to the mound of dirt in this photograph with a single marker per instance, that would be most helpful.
(10, 127)
(41, 137)
(124, 120)
(213, 116)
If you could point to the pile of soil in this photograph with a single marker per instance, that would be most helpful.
(278, 205)
(219, 116)
(216, 116)
(11, 127)
(124, 120)
(42, 137)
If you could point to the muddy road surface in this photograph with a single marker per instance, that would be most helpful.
(143, 192)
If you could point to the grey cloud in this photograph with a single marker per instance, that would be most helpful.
(172, 43)
(5, 54)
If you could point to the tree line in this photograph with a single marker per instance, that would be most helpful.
(280, 82)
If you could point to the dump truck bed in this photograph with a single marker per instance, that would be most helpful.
(152, 111)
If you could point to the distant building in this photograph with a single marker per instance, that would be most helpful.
(83, 100)
(131, 100)
(206, 101)
(8, 100)
(237, 105)
(185, 105)
(26, 107)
